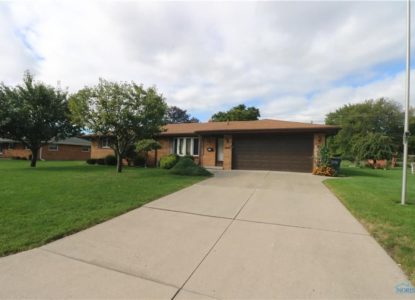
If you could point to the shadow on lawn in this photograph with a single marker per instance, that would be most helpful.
(91, 169)
(361, 172)
(76, 168)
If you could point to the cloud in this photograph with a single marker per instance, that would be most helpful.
(298, 60)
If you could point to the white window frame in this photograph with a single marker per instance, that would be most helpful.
(53, 149)
(88, 149)
(184, 139)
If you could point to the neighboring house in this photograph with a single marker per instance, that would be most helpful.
(100, 146)
(247, 145)
(68, 149)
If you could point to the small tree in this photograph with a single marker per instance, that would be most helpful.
(145, 146)
(34, 113)
(373, 146)
(124, 111)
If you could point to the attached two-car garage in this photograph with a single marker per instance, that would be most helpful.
(278, 152)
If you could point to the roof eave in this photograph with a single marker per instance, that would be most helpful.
(327, 130)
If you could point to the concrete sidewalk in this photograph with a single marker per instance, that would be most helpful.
(239, 235)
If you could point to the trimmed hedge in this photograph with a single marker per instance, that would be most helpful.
(169, 161)
(101, 161)
(111, 160)
(186, 166)
(91, 161)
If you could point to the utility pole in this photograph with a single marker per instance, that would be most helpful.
(407, 94)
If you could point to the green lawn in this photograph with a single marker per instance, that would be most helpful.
(38, 205)
(373, 197)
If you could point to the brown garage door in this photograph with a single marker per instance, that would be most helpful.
(278, 152)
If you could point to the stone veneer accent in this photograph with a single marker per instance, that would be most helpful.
(319, 141)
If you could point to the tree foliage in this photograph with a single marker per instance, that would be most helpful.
(237, 113)
(145, 146)
(34, 113)
(175, 115)
(373, 146)
(358, 121)
(124, 111)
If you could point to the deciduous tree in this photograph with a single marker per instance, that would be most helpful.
(358, 121)
(126, 112)
(175, 115)
(34, 113)
(145, 146)
(237, 113)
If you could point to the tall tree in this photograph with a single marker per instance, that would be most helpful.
(358, 121)
(237, 113)
(176, 115)
(34, 113)
(125, 112)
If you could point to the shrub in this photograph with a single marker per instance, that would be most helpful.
(110, 160)
(169, 161)
(101, 161)
(23, 158)
(323, 159)
(324, 171)
(16, 157)
(186, 166)
(91, 161)
(324, 163)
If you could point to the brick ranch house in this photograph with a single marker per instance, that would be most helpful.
(68, 149)
(247, 145)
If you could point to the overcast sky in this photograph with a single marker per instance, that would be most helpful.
(294, 60)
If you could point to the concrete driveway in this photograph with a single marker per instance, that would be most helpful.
(238, 235)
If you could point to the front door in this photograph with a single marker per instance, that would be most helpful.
(219, 151)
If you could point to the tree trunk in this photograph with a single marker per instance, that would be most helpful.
(34, 157)
(155, 158)
(119, 163)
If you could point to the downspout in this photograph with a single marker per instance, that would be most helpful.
(40, 153)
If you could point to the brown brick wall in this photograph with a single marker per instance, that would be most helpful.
(97, 152)
(65, 152)
(319, 141)
(165, 150)
(208, 158)
(18, 151)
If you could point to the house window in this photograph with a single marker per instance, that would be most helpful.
(1, 148)
(53, 147)
(86, 149)
(105, 142)
(186, 146)
(11, 146)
